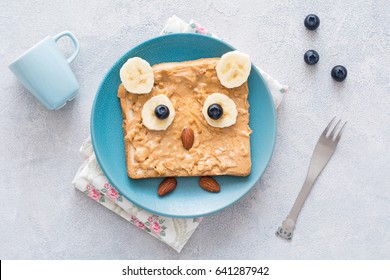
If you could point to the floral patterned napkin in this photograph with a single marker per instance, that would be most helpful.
(91, 180)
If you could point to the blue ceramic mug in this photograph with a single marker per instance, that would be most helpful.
(46, 73)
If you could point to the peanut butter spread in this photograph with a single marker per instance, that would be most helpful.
(216, 151)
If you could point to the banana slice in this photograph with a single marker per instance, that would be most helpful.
(212, 110)
(161, 119)
(137, 76)
(233, 69)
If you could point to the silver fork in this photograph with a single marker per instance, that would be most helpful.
(323, 151)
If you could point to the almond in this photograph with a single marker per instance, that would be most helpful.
(187, 137)
(166, 186)
(209, 184)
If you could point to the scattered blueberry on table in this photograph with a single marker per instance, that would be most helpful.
(339, 73)
(311, 57)
(312, 22)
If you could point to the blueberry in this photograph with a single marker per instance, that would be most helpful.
(312, 22)
(215, 111)
(311, 57)
(339, 73)
(161, 112)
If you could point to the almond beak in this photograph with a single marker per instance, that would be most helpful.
(187, 137)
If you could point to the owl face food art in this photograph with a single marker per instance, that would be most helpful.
(187, 101)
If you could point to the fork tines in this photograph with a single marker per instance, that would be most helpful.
(331, 133)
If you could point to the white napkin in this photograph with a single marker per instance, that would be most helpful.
(91, 180)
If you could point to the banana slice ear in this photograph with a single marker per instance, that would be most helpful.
(152, 118)
(137, 76)
(227, 118)
(233, 69)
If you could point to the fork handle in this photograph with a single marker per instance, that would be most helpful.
(287, 229)
(317, 164)
(307, 186)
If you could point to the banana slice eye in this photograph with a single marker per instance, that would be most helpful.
(219, 110)
(158, 113)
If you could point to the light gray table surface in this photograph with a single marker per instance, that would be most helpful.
(347, 214)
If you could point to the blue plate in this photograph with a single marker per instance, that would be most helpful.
(188, 199)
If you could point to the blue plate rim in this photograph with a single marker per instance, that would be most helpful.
(112, 180)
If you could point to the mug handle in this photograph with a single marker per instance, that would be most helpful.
(74, 40)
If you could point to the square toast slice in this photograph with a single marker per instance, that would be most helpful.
(216, 151)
